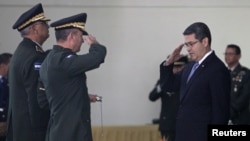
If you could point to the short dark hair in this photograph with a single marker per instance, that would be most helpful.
(63, 34)
(200, 30)
(5, 58)
(235, 47)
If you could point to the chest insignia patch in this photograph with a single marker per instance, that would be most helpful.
(37, 65)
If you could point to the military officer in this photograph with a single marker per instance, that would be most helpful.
(169, 103)
(4, 93)
(63, 75)
(26, 120)
(240, 87)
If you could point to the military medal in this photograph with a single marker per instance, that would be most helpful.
(235, 88)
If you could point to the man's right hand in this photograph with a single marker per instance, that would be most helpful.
(176, 55)
(90, 39)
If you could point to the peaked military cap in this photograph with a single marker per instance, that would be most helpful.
(75, 21)
(182, 61)
(32, 15)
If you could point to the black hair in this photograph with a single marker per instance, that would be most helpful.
(5, 58)
(61, 35)
(235, 47)
(200, 30)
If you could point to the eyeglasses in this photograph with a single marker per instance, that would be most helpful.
(229, 53)
(190, 44)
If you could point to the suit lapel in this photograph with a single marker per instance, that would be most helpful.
(196, 74)
(188, 84)
(184, 86)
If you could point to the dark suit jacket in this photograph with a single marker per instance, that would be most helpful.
(204, 100)
(63, 76)
(26, 120)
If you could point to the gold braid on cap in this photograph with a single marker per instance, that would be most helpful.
(80, 25)
(33, 19)
(179, 63)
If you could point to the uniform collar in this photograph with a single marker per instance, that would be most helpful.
(38, 47)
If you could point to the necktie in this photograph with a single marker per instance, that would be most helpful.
(195, 66)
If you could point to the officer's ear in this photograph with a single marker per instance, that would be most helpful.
(68, 37)
(71, 35)
(33, 28)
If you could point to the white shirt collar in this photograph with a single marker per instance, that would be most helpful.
(1, 78)
(205, 56)
(232, 68)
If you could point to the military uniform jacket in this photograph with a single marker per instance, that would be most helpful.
(240, 95)
(169, 106)
(204, 99)
(26, 120)
(64, 78)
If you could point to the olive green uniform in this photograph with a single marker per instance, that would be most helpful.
(240, 95)
(64, 78)
(26, 120)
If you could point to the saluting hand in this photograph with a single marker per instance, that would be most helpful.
(90, 39)
(176, 55)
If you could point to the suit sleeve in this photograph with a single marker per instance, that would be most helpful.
(170, 81)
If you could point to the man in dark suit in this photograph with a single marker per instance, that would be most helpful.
(169, 103)
(240, 90)
(26, 120)
(204, 96)
(4, 93)
(64, 79)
